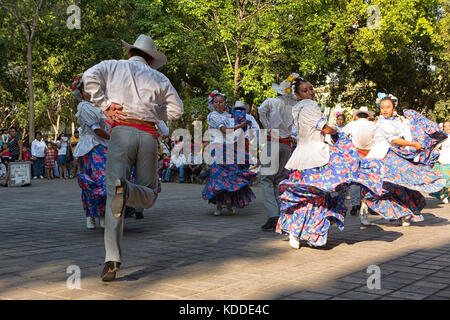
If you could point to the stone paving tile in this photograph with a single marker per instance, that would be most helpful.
(306, 295)
(192, 254)
(408, 295)
(358, 295)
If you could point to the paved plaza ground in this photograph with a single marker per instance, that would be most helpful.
(180, 250)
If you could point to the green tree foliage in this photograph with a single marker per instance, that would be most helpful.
(238, 47)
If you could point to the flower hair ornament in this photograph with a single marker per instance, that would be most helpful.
(77, 84)
(382, 95)
(285, 87)
(211, 98)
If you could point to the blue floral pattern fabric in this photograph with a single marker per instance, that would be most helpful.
(444, 170)
(393, 185)
(91, 180)
(308, 207)
(229, 184)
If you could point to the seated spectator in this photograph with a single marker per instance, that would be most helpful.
(177, 163)
(192, 170)
(5, 157)
(163, 165)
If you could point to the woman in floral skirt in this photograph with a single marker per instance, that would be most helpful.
(228, 184)
(91, 154)
(398, 167)
(309, 203)
(442, 166)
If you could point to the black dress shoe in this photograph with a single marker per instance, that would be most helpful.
(355, 210)
(139, 215)
(109, 271)
(270, 224)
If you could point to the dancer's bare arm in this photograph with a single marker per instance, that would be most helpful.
(405, 143)
(329, 130)
(102, 133)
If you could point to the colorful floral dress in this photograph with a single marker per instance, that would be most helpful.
(394, 178)
(313, 196)
(442, 167)
(91, 152)
(228, 183)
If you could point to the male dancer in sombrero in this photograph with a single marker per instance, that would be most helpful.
(135, 97)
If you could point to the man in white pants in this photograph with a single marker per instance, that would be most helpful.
(361, 131)
(135, 97)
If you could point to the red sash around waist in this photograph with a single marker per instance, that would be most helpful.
(282, 140)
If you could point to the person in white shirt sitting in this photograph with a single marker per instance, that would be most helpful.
(177, 164)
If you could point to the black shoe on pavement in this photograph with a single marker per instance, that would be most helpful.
(109, 271)
(355, 210)
(139, 215)
(270, 224)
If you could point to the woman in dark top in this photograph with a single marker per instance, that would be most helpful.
(15, 145)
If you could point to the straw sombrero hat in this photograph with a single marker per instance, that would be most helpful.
(146, 44)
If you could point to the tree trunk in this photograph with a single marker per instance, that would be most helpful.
(30, 88)
(237, 62)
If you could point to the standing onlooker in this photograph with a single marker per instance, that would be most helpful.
(50, 155)
(26, 155)
(38, 156)
(61, 145)
(73, 170)
(15, 145)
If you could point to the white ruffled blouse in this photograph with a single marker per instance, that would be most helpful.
(386, 130)
(216, 120)
(311, 150)
(89, 119)
(444, 153)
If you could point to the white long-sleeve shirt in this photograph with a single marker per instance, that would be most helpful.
(38, 148)
(311, 150)
(276, 113)
(361, 132)
(145, 93)
(444, 153)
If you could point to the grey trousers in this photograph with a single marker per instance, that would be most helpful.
(355, 192)
(269, 184)
(128, 148)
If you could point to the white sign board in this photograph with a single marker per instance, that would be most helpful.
(20, 174)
